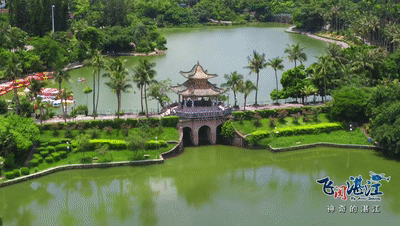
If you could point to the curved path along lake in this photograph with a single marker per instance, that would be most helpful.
(209, 185)
(219, 50)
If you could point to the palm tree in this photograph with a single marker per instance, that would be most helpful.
(308, 90)
(143, 76)
(35, 87)
(60, 75)
(119, 80)
(276, 64)
(295, 53)
(232, 82)
(13, 71)
(246, 88)
(256, 63)
(40, 105)
(99, 63)
(65, 94)
(323, 68)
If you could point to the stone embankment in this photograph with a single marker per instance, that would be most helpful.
(341, 43)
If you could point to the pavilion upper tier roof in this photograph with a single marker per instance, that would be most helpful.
(200, 87)
(197, 72)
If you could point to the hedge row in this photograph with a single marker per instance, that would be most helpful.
(155, 144)
(114, 144)
(52, 142)
(168, 121)
(295, 130)
(17, 172)
(308, 129)
(247, 115)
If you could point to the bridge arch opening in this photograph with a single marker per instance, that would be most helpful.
(205, 135)
(220, 137)
(187, 137)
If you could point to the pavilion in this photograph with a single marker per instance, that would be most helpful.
(198, 98)
(202, 115)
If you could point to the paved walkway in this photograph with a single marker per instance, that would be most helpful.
(342, 44)
(166, 113)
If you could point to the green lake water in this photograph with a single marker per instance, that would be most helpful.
(219, 50)
(209, 185)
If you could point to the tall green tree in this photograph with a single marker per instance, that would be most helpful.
(14, 71)
(256, 63)
(99, 63)
(295, 53)
(232, 81)
(276, 64)
(60, 75)
(119, 80)
(323, 69)
(158, 91)
(35, 87)
(246, 88)
(143, 76)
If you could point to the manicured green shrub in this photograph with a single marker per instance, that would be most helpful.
(118, 122)
(43, 143)
(255, 137)
(109, 123)
(46, 126)
(34, 162)
(114, 144)
(17, 173)
(54, 142)
(56, 156)
(49, 159)
(170, 121)
(9, 175)
(44, 153)
(36, 156)
(132, 122)
(266, 113)
(25, 171)
(50, 149)
(86, 160)
(61, 147)
(63, 154)
(227, 129)
(308, 129)
(94, 123)
(154, 144)
(65, 140)
(237, 115)
(40, 149)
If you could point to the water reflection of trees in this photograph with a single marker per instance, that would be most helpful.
(198, 177)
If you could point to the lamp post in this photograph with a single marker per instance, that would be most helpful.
(68, 152)
(52, 15)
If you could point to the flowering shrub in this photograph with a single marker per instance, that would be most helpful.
(282, 114)
(296, 118)
(257, 120)
(272, 122)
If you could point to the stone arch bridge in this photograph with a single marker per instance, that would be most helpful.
(201, 131)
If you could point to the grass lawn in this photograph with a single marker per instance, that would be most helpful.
(114, 156)
(168, 133)
(339, 137)
(248, 127)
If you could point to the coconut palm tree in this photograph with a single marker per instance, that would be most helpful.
(13, 71)
(119, 80)
(144, 75)
(295, 53)
(40, 105)
(232, 82)
(323, 68)
(35, 87)
(308, 90)
(60, 75)
(246, 88)
(276, 64)
(65, 94)
(98, 62)
(256, 63)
